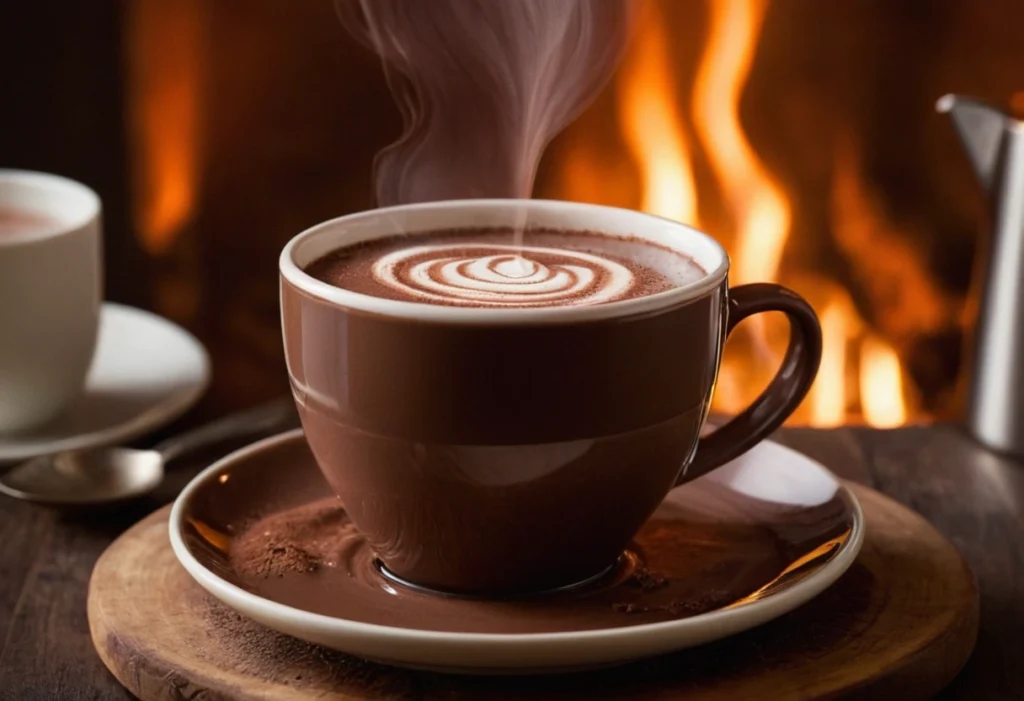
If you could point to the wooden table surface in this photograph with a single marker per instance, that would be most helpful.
(973, 496)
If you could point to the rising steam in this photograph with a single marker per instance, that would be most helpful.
(483, 86)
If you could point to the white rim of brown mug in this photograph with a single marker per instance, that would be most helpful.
(374, 224)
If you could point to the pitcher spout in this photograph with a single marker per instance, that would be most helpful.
(981, 128)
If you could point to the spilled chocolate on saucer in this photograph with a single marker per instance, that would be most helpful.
(274, 529)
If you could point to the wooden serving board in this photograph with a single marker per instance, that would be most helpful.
(899, 624)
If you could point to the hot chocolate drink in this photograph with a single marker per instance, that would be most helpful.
(15, 222)
(512, 432)
(486, 268)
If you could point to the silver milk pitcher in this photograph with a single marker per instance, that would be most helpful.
(995, 143)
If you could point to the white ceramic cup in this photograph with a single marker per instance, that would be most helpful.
(50, 297)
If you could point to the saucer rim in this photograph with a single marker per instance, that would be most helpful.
(16, 447)
(726, 621)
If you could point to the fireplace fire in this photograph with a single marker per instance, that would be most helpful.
(164, 109)
(801, 135)
(694, 160)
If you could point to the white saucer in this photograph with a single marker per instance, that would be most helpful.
(771, 489)
(146, 372)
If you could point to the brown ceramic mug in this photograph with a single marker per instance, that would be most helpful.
(502, 451)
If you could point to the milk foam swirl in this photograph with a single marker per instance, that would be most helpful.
(495, 275)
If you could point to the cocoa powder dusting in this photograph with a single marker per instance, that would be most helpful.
(299, 540)
(646, 579)
(698, 604)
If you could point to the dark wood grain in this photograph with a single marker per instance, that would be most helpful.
(975, 498)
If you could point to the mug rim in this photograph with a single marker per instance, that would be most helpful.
(59, 186)
(292, 272)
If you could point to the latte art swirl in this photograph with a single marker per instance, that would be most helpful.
(495, 275)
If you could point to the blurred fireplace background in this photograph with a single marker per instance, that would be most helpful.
(802, 134)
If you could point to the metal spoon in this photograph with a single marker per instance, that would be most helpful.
(103, 475)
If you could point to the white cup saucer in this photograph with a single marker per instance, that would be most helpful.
(722, 554)
(146, 372)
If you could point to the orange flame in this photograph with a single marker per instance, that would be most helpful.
(881, 384)
(860, 375)
(761, 212)
(828, 395)
(653, 125)
(164, 71)
(758, 208)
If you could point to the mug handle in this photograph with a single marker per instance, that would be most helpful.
(786, 390)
